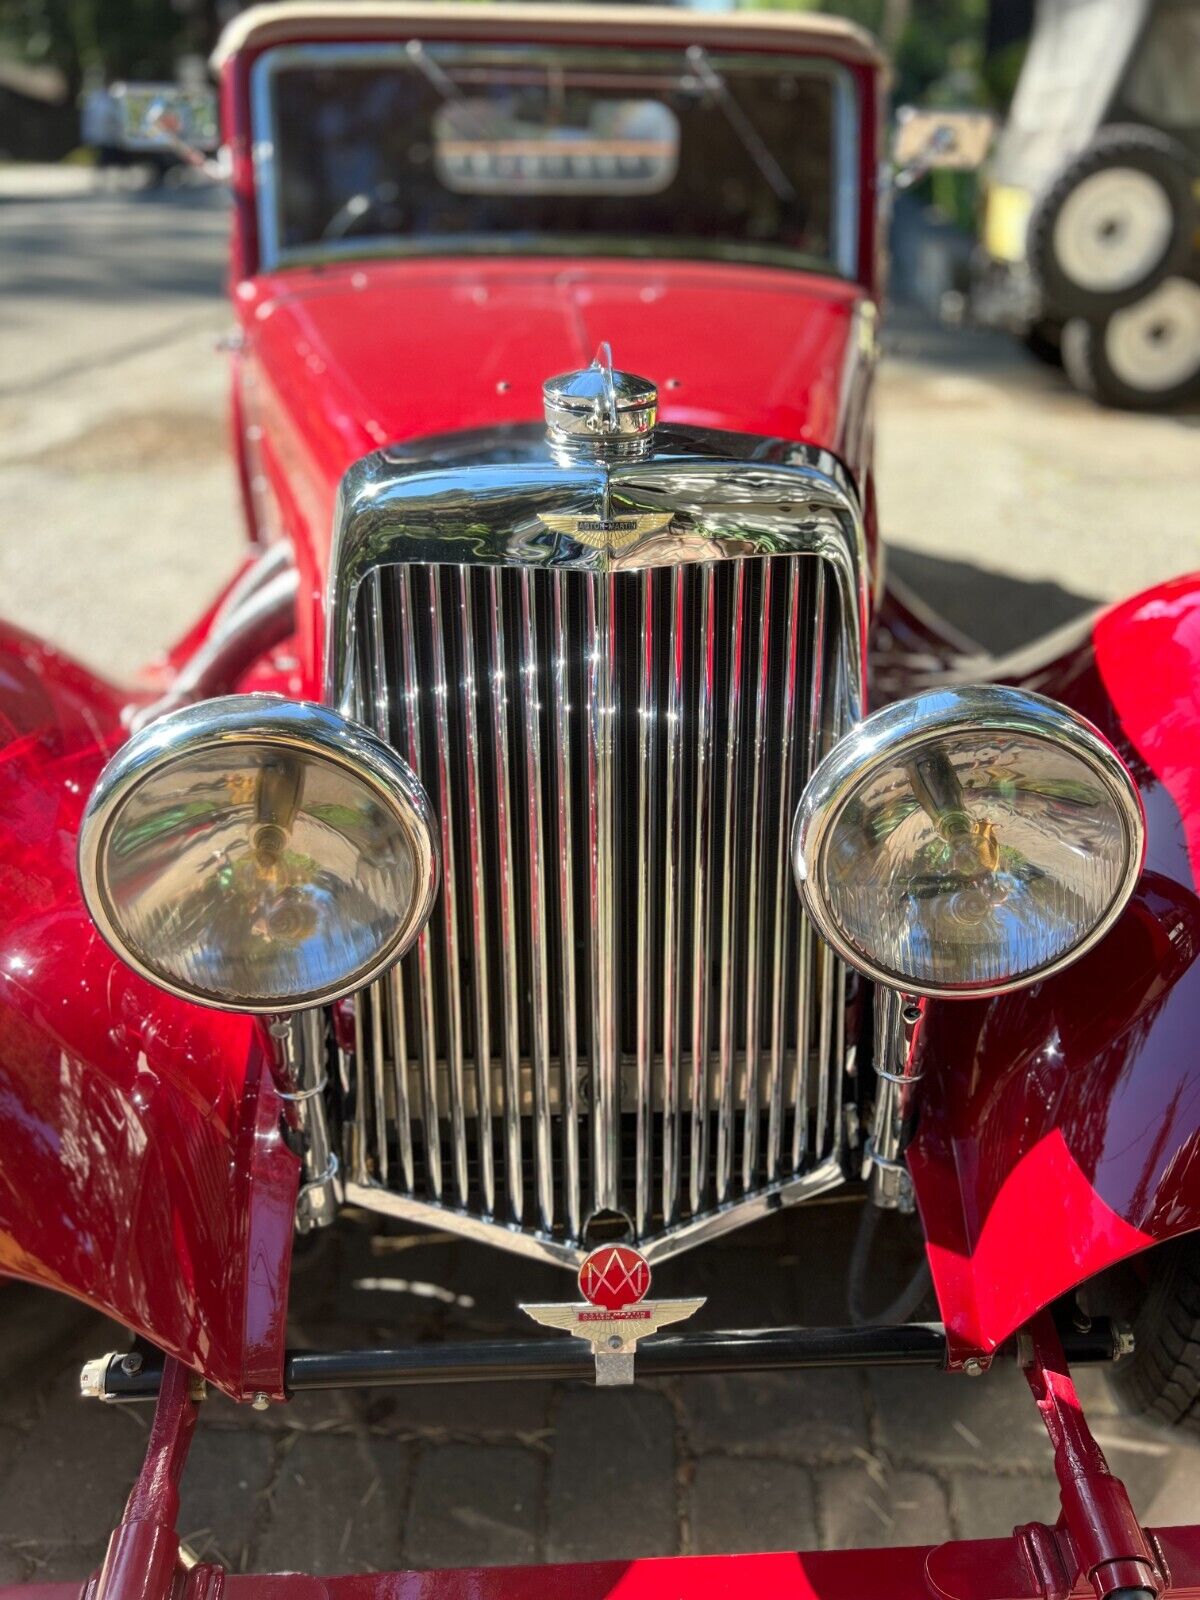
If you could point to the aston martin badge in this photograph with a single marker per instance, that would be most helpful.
(615, 1314)
(607, 533)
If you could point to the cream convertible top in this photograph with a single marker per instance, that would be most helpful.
(310, 19)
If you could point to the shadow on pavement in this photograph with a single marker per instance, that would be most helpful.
(1001, 611)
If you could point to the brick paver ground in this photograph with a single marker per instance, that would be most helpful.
(512, 1472)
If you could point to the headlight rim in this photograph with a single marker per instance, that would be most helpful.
(898, 730)
(258, 719)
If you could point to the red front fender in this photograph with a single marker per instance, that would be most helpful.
(141, 1164)
(1060, 1126)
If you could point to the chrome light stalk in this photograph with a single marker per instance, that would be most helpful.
(897, 1022)
(299, 1055)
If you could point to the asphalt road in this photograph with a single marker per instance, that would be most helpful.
(1010, 502)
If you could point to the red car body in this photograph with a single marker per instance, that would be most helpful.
(144, 1170)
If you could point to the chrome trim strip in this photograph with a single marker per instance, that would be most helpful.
(510, 1037)
(730, 868)
(440, 691)
(566, 895)
(426, 1024)
(543, 1160)
(601, 761)
(672, 957)
(701, 895)
(480, 988)
(538, 1247)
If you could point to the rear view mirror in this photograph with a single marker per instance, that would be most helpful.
(927, 141)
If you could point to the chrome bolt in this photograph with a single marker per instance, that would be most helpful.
(261, 1401)
(132, 1364)
(614, 1342)
(973, 1367)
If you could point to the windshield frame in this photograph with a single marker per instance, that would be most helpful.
(841, 262)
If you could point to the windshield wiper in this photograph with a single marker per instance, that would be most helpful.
(751, 139)
(424, 63)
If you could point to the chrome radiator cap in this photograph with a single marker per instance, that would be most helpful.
(597, 404)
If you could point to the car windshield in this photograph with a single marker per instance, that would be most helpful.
(430, 148)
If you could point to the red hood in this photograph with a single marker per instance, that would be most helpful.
(362, 355)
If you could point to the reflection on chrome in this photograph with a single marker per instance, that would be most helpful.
(943, 856)
(257, 855)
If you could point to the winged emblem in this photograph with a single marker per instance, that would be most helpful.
(615, 1314)
(607, 533)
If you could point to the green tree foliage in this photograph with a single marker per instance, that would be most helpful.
(929, 41)
(119, 38)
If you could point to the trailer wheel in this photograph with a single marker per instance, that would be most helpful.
(1161, 1379)
(1144, 358)
(1118, 219)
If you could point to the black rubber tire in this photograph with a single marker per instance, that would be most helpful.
(1161, 1379)
(1043, 340)
(1146, 150)
(1088, 368)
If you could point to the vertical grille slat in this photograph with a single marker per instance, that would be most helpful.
(600, 664)
(406, 622)
(647, 748)
(569, 1046)
(805, 961)
(731, 828)
(671, 889)
(538, 926)
(783, 901)
(398, 1035)
(444, 802)
(507, 899)
(701, 891)
(476, 844)
(753, 888)
(614, 760)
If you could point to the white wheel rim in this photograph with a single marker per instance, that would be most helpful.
(1112, 230)
(1155, 344)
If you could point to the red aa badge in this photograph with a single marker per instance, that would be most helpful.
(614, 1281)
(614, 1276)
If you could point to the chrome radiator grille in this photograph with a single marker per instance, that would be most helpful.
(618, 1007)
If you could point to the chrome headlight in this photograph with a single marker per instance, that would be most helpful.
(967, 841)
(258, 854)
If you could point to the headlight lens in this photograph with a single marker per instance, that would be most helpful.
(258, 854)
(968, 841)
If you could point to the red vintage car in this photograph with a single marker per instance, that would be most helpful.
(513, 849)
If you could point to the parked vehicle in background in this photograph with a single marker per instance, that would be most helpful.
(562, 835)
(120, 122)
(1090, 226)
